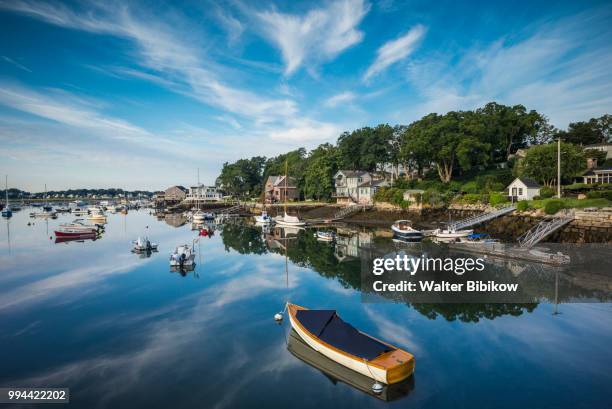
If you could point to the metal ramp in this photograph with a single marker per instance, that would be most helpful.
(230, 210)
(347, 211)
(538, 232)
(481, 218)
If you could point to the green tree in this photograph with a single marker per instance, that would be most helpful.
(596, 130)
(540, 163)
(320, 170)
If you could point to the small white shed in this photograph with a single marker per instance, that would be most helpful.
(524, 189)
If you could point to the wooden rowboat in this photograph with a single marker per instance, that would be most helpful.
(325, 332)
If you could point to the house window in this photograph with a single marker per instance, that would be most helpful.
(520, 191)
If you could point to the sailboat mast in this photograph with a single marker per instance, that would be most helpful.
(286, 168)
(6, 188)
(198, 191)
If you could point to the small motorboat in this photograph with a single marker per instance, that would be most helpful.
(404, 230)
(287, 220)
(325, 235)
(183, 256)
(77, 229)
(263, 218)
(97, 214)
(451, 233)
(47, 208)
(325, 332)
(142, 244)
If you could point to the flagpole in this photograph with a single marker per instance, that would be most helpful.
(559, 168)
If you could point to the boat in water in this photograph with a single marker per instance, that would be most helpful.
(77, 211)
(79, 239)
(451, 233)
(263, 218)
(77, 228)
(477, 238)
(287, 220)
(339, 373)
(6, 211)
(325, 332)
(143, 244)
(325, 235)
(404, 230)
(183, 256)
(97, 214)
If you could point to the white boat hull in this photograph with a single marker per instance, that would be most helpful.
(444, 234)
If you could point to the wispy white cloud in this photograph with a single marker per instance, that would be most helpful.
(342, 98)
(559, 68)
(305, 131)
(318, 36)
(163, 50)
(63, 108)
(231, 25)
(395, 51)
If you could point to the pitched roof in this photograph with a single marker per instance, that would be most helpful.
(352, 173)
(178, 187)
(374, 183)
(280, 181)
(528, 182)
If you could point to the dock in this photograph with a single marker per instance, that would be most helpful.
(481, 218)
(341, 214)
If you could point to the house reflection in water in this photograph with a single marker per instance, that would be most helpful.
(350, 243)
(175, 219)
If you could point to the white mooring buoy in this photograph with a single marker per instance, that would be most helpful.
(377, 388)
(278, 317)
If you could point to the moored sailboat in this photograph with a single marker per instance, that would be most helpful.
(7, 211)
(285, 219)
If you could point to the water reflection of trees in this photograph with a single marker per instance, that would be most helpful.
(343, 262)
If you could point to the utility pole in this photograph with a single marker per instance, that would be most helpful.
(559, 168)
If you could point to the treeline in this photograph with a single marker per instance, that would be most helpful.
(111, 192)
(443, 147)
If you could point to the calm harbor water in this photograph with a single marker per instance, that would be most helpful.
(123, 331)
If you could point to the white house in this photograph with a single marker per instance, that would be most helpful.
(356, 186)
(204, 193)
(523, 189)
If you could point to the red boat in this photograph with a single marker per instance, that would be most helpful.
(76, 229)
(76, 238)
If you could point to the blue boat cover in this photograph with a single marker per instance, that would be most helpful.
(328, 327)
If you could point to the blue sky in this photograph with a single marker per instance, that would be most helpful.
(141, 94)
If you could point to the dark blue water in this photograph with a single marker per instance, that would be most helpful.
(124, 332)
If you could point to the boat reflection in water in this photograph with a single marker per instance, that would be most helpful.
(185, 270)
(339, 373)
